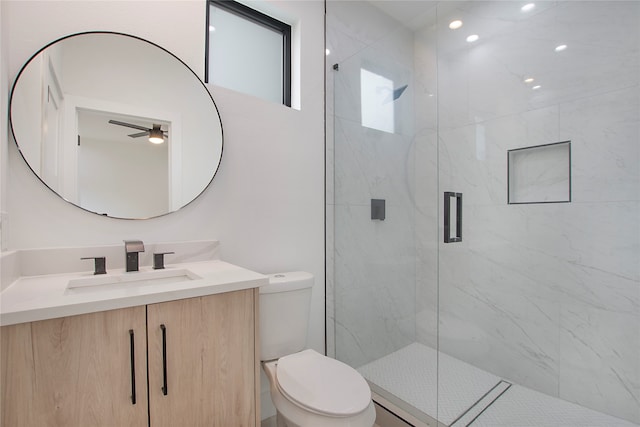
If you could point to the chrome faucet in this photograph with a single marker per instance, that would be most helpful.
(131, 249)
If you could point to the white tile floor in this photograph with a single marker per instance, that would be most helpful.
(411, 375)
(523, 407)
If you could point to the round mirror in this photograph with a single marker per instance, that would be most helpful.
(116, 125)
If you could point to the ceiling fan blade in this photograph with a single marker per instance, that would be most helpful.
(129, 125)
(138, 135)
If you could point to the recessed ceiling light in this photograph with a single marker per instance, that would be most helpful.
(454, 25)
(561, 48)
(528, 80)
(327, 52)
(472, 38)
(536, 87)
(527, 7)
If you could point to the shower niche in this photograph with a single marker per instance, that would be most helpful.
(539, 174)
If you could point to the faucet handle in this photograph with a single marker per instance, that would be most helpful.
(100, 264)
(158, 260)
(133, 245)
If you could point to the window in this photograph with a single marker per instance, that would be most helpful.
(248, 51)
(377, 97)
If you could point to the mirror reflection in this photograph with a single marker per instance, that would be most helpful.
(116, 125)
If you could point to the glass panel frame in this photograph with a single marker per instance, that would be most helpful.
(262, 20)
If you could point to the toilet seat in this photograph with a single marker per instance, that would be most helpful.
(322, 385)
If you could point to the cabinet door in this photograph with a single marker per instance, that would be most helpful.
(75, 371)
(208, 350)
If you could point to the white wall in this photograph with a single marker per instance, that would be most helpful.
(265, 205)
(4, 93)
(111, 180)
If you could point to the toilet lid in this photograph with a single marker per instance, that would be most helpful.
(322, 384)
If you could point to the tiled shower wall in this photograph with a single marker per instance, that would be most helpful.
(374, 261)
(545, 295)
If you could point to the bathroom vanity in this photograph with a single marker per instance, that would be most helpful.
(130, 346)
(178, 347)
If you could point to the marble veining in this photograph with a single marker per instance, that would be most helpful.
(544, 295)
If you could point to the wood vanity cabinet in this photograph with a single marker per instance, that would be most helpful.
(74, 370)
(197, 355)
(210, 361)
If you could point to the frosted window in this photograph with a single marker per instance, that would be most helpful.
(246, 56)
(376, 96)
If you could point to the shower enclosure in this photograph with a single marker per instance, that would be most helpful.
(483, 208)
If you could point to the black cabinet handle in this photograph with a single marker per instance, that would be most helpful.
(447, 217)
(133, 367)
(164, 359)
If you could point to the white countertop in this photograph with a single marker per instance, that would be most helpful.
(31, 298)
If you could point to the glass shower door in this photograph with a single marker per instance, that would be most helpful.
(381, 220)
(516, 131)
(539, 284)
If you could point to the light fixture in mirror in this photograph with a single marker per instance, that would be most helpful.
(116, 125)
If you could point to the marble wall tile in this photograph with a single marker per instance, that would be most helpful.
(370, 164)
(375, 283)
(601, 57)
(425, 193)
(466, 167)
(546, 295)
(425, 78)
(373, 261)
(355, 24)
(503, 295)
(493, 315)
(599, 363)
(604, 131)
(341, 44)
(383, 61)
(546, 253)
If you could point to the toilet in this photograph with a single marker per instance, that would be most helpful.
(308, 389)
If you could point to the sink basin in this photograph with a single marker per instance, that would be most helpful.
(131, 279)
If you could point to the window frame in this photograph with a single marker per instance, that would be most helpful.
(266, 21)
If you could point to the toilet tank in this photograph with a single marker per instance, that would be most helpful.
(284, 314)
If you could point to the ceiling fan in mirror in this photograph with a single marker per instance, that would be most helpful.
(173, 173)
(155, 133)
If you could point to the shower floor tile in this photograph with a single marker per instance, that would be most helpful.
(523, 407)
(411, 375)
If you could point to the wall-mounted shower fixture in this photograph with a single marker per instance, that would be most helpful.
(378, 209)
(393, 96)
(399, 91)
